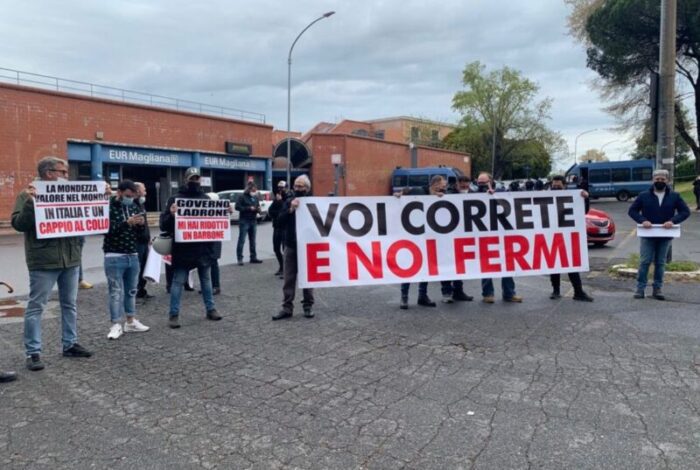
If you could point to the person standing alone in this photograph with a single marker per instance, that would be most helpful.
(248, 207)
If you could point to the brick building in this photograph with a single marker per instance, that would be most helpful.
(109, 139)
(367, 152)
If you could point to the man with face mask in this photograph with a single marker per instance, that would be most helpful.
(187, 256)
(454, 290)
(657, 206)
(50, 261)
(287, 221)
(485, 184)
(126, 226)
(575, 278)
(143, 241)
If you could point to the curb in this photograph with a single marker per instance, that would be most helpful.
(622, 270)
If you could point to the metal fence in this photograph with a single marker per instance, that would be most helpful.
(47, 82)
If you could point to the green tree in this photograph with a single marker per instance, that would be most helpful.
(594, 155)
(622, 39)
(501, 105)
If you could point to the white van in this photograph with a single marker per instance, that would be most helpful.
(233, 195)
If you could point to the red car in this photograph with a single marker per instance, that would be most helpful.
(600, 227)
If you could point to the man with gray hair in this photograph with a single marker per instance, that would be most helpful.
(661, 207)
(49, 261)
(287, 221)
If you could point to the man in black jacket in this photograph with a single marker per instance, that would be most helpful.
(277, 230)
(287, 222)
(187, 256)
(248, 207)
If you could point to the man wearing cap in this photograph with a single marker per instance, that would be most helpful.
(657, 206)
(187, 256)
(277, 229)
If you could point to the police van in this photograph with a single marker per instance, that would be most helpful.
(623, 180)
(413, 178)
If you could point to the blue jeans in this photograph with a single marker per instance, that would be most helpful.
(250, 228)
(179, 279)
(652, 250)
(450, 287)
(122, 274)
(507, 284)
(40, 284)
(422, 289)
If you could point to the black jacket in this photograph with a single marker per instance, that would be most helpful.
(287, 222)
(188, 255)
(276, 209)
(248, 206)
(143, 237)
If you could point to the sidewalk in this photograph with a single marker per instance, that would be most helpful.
(548, 384)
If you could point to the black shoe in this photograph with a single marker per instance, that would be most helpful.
(308, 313)
(76, 351)
(240, 262)
(174, 322)
(213, 315)
(583, 297)
(658, 295)
(188, 288)
(460, 296)
(217, 290)
(143, 295)
(555, 295)
(167, 289)
(281, 315)
(34, 362)
(8, 377)
(404, 303)
(639, 294)
(255, 261)
(278, 273)
(426, 302)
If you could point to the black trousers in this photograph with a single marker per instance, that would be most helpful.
(574, 278)
(142, 251)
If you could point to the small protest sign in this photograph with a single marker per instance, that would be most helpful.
(70, 208)
(202, 220)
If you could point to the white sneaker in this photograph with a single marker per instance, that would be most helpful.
(135, 327)
(447, 298)
(115, 331)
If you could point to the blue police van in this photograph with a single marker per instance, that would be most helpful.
(622, 180)
(413, 178)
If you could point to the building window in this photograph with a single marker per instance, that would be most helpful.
(360, 133)
(435, 136)
(414, 134)
(379, 134)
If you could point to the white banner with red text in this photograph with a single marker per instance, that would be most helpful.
(352, 241)
(202, 220)
(70, 208)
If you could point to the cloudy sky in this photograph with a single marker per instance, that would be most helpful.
(372, 59)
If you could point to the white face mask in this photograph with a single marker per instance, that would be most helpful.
(61, 179)
(142, 200)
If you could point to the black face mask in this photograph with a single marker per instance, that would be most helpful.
(659, 185)
(193, 186)
(483, 188)
(440, 190)
(556, 188)
(300, 193)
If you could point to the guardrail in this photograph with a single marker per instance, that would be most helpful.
(47, 82)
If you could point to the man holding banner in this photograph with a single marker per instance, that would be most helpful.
(52, 213)
(287, 221)
(196, 226)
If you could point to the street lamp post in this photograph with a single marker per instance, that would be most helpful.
(289, 96)
(606, 144)
(576, 143)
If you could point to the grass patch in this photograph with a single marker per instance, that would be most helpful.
(674, 266)
(685, 189)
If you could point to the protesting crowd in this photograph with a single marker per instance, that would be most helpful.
(196, 246)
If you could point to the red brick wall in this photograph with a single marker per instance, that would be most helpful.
(369, 163)
(35, 123)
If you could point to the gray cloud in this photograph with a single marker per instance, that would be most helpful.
(372, 59)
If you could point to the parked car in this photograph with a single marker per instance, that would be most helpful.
(600, 227)
(233, 195)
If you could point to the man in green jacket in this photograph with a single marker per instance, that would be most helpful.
(50, 261)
